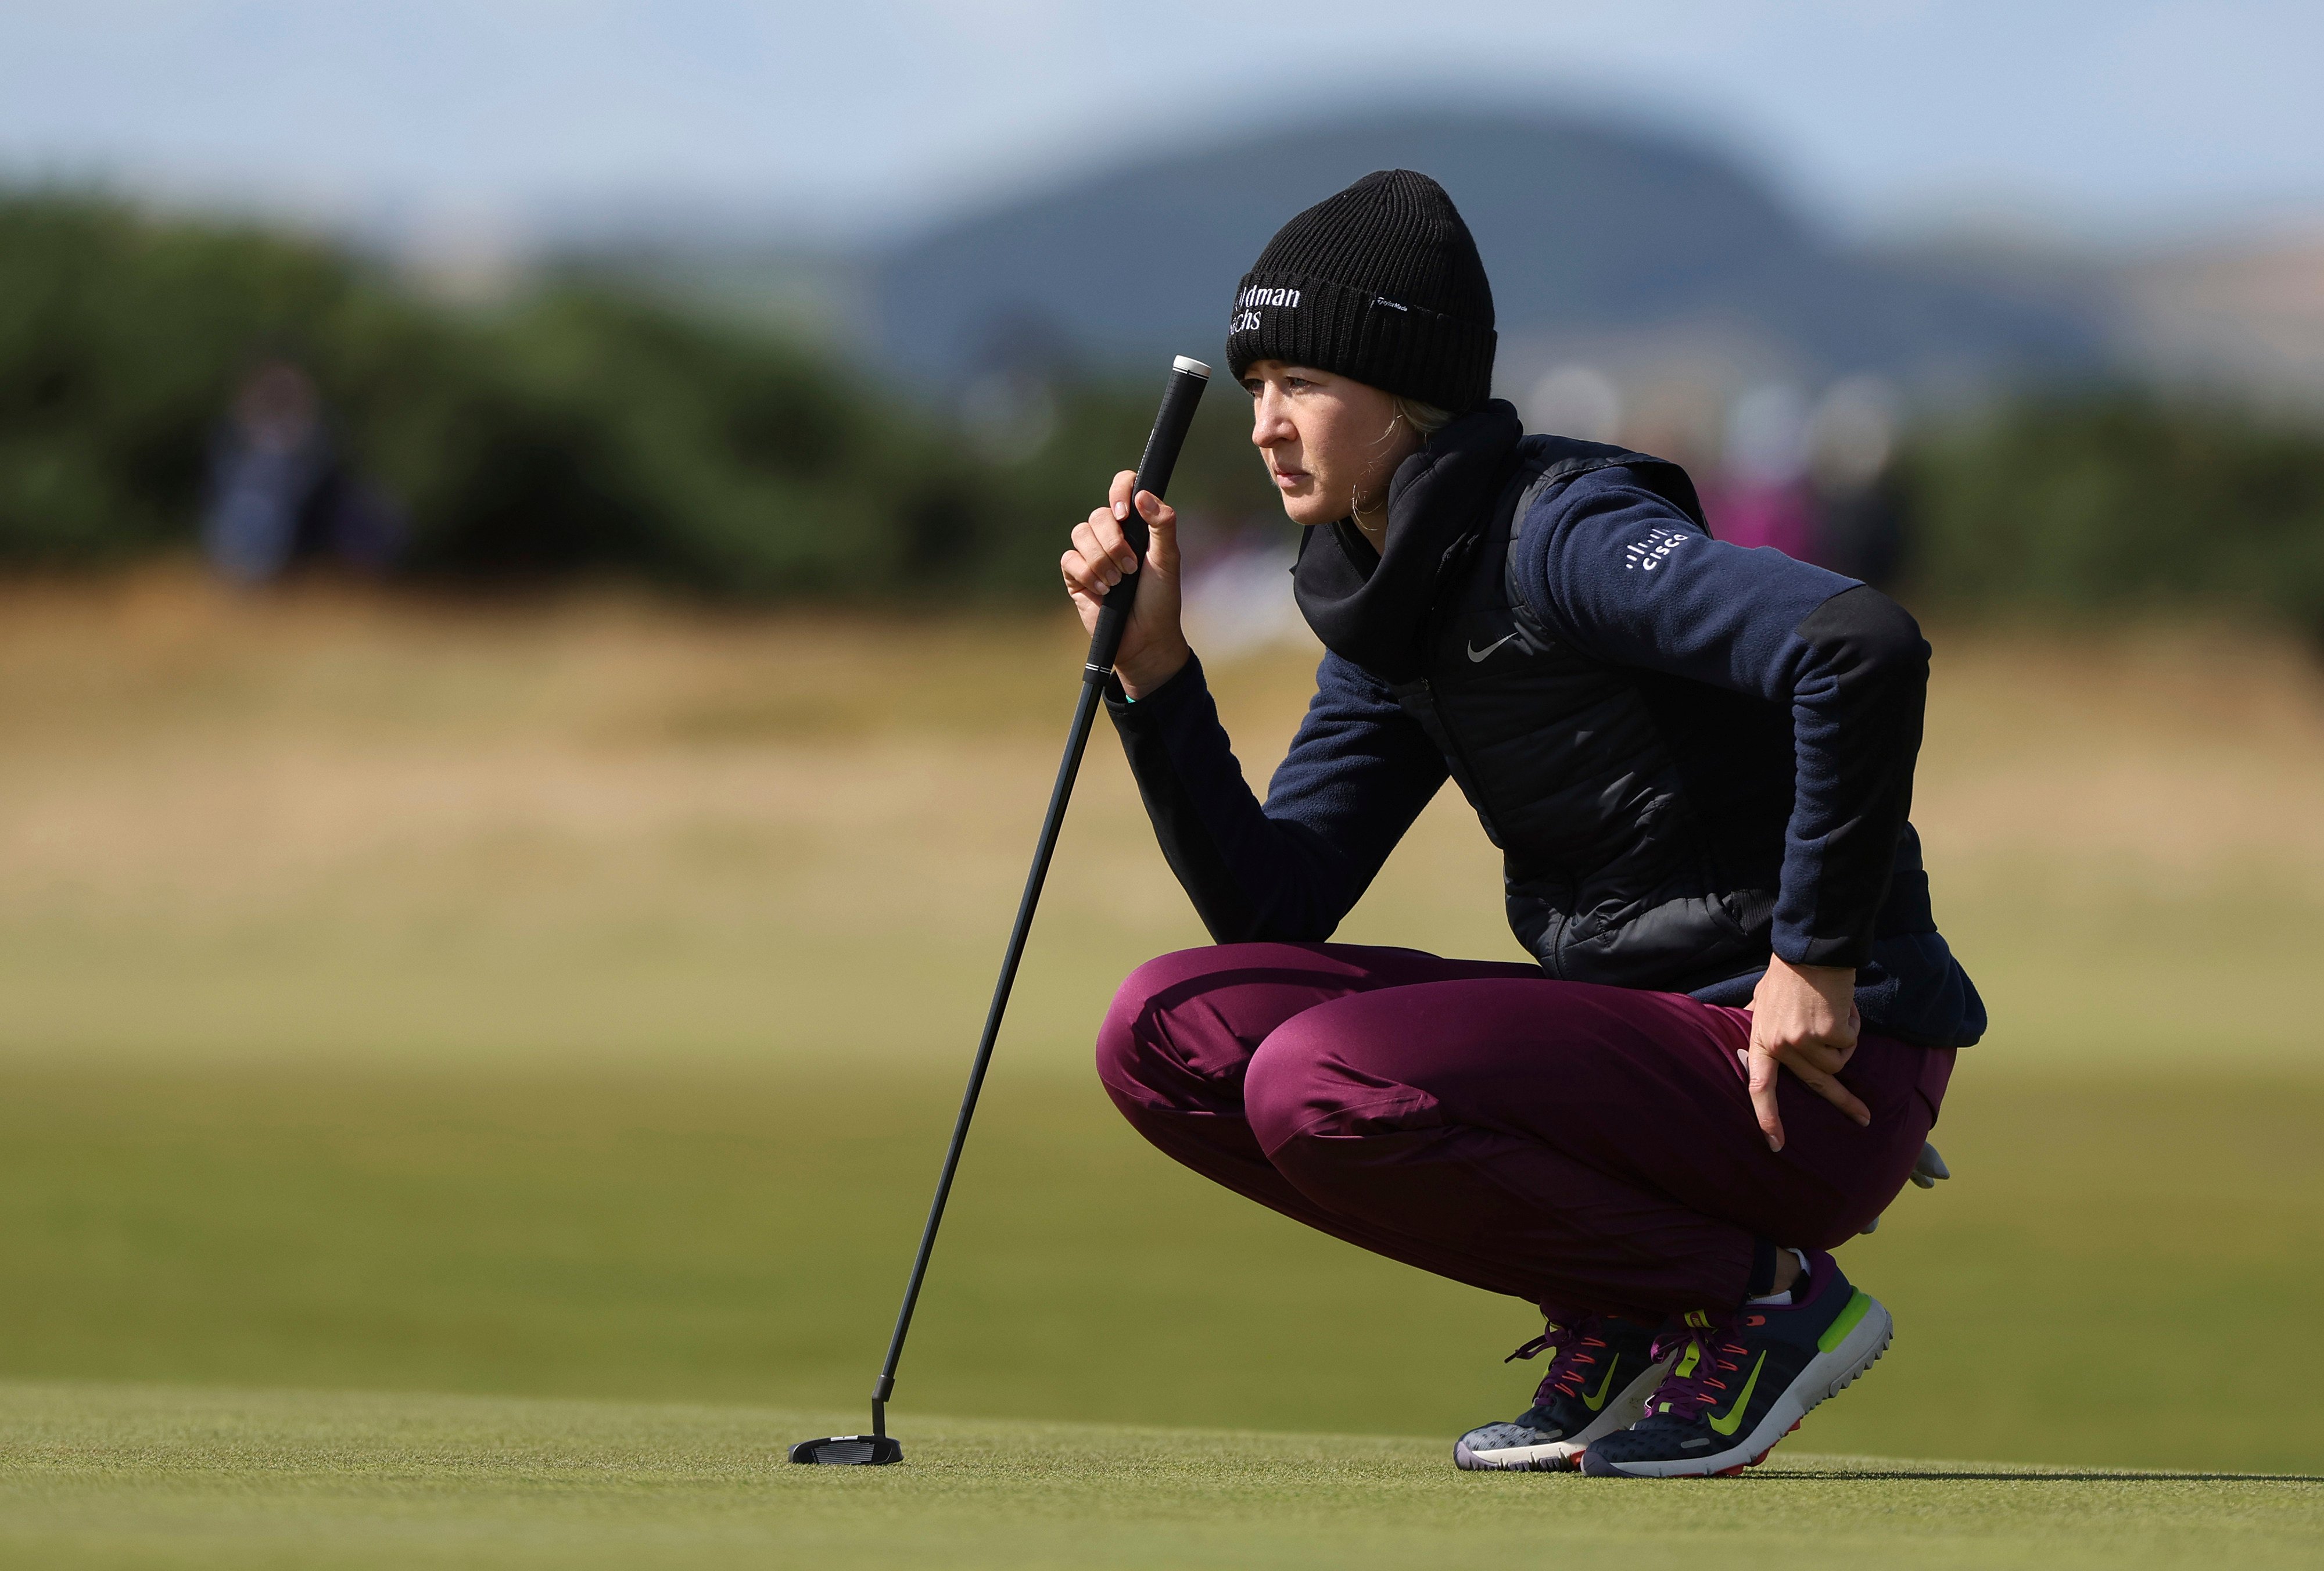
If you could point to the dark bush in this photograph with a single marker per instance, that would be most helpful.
(584, 429)
(118, 342)
(2119, 500)
(1035, 500)
(579, 431)
(590, 432)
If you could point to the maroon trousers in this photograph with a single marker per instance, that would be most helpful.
(1585, 1147)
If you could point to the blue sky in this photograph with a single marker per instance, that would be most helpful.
(2125, 120)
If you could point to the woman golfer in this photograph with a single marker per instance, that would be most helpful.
(1696, 761)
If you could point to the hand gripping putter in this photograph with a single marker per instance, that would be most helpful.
(1183, 392)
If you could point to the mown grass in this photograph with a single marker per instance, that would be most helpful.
(172, 1478)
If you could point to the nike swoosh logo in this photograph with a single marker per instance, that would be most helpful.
(1477, 654)
(1734, 1418)
(1598, 1400)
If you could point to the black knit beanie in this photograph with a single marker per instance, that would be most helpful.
(1380, 282)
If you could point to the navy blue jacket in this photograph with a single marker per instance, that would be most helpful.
(1706, 612)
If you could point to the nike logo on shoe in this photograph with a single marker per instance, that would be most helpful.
(1476, 654)
(1597, 1398)
(1734, 1418)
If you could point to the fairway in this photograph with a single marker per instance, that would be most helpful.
(104, 1475)
(439, 1039)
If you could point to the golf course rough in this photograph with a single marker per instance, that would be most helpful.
(98, 1474)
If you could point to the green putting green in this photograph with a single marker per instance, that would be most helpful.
(113, 1475)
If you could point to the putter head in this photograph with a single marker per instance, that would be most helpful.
(849, 1451)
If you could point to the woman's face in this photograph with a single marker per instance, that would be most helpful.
(1331, 444)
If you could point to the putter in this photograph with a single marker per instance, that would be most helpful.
(1179, 397)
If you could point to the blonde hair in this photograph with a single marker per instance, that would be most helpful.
(1424, 418)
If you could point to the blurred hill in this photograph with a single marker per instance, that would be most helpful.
(1666, 263)
(2248, 317)
(1632, 249)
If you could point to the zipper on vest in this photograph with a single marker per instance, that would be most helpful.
(1461, 758)
(1553, 961)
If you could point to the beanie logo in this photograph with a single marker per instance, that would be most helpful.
(1245, 316)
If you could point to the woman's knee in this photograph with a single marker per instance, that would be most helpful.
(1294, 1086)
(1119, 1049)
(1137, 1049)
(1278, 1087)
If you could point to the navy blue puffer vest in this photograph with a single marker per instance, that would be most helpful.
(1619, 867)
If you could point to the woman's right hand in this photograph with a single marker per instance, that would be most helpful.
(1153, 646)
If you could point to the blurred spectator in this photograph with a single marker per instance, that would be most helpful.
(1578, 401)
(1761, 496)
(280, 492)
(1851, 437)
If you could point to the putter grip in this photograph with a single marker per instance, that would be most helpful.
(1179, 397)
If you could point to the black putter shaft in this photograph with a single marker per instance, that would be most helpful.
(1179, 397)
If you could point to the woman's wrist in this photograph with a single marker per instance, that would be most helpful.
(1833, 981)
(1152, 668)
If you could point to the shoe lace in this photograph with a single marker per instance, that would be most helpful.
(1572, 1349)
(1697, 1380)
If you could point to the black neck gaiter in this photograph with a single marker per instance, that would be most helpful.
(1370, 607)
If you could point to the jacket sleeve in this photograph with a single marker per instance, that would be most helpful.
(1630, 578)
(1358, 773)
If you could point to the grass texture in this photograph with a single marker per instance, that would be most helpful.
(104, 1476)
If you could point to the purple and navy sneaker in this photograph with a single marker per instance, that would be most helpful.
(1600, 1372)
(1743, 1379)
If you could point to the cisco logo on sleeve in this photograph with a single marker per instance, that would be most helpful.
(1649, 552)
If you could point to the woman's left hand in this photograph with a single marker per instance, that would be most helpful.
(1803, 1018)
